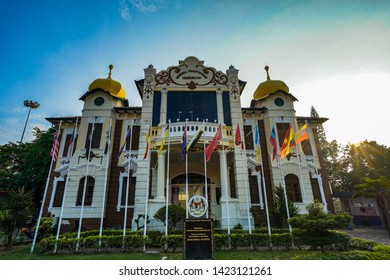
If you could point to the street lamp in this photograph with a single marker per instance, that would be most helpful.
(31, 105)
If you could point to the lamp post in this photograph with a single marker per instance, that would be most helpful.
(31, 105)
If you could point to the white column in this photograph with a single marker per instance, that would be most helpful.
(163, 108)
(220, 106)
(223, 170)
(161, 176)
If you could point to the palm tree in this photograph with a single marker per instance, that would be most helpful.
(15, 209)
(279, 213)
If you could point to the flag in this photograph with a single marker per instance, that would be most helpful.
(56, 145)
(184, 144)
(89, 142)
(288, 142)
(71, 142)
(108, 140)
(272, 140)
(257, 143)
(128, 135)
(238, 140)
(147, 143)
(214, 143)
(195, 139)
(302, 134)
(163, 140)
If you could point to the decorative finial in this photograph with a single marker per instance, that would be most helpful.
(266, 69)
(110, 67)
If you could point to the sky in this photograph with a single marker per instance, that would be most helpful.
(333, 55)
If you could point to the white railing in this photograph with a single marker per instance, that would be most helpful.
(177, 129)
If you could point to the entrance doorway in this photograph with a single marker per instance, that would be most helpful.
(196, 186)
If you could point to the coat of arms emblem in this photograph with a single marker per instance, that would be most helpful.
(197, 206)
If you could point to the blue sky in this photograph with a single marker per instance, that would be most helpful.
(334, 55)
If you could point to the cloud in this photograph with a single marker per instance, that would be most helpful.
(124, 10)
(143, 6)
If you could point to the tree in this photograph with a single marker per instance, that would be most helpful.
(330, 151)
(25, 166)
(378, 189)
(279, 213)
(11, 160)
(175, 215)
(316, 224)
(15, 209)
(36, 164)
(365, 159)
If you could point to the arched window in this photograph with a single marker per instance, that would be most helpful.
(88, 191)
(293, 188)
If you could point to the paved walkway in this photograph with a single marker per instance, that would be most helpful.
(375, 234)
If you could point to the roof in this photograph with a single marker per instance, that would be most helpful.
(343, 194)
(56, 120)
(82, 98)
(316, 120)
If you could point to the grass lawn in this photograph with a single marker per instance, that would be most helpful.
(22, 252)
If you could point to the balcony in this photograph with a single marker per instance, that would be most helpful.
(176, 131)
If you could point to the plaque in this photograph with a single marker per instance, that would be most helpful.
(198, 239)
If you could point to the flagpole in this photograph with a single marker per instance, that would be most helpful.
(44, 195)
(108, 139)
(226, 188)
(167, 182)
(85, 184)
(244, 162)
(205, 170)
(66, 187)
(147, 186)
(282, 175)
(299, 162)
(127, 185)
(319, 177)
(258, 158)
(186, 173)
(265, 195)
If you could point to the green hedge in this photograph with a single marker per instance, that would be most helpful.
(322, 240)
(108, 242)
(173, 242)
(112, 239)
(362, 244)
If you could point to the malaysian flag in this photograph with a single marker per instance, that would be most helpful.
(56, 146)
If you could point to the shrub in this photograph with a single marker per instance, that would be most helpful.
(281, 239)
(239, 240)
(259, 239)
(316, 224)
(362, 244)
(154, 238)
(172, 241)
(221, 240)
(175, 215)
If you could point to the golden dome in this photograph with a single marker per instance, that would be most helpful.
(108, 84)
(268, 87)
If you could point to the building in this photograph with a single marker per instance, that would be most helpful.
(365, 211)
(189, 95)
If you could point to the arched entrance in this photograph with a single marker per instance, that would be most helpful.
(196, 186)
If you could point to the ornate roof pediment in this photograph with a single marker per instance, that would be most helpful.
(191, 73)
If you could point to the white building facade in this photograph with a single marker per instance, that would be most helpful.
(188, 96)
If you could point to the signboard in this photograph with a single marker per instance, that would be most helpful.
(197, 206)
(198, 239)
